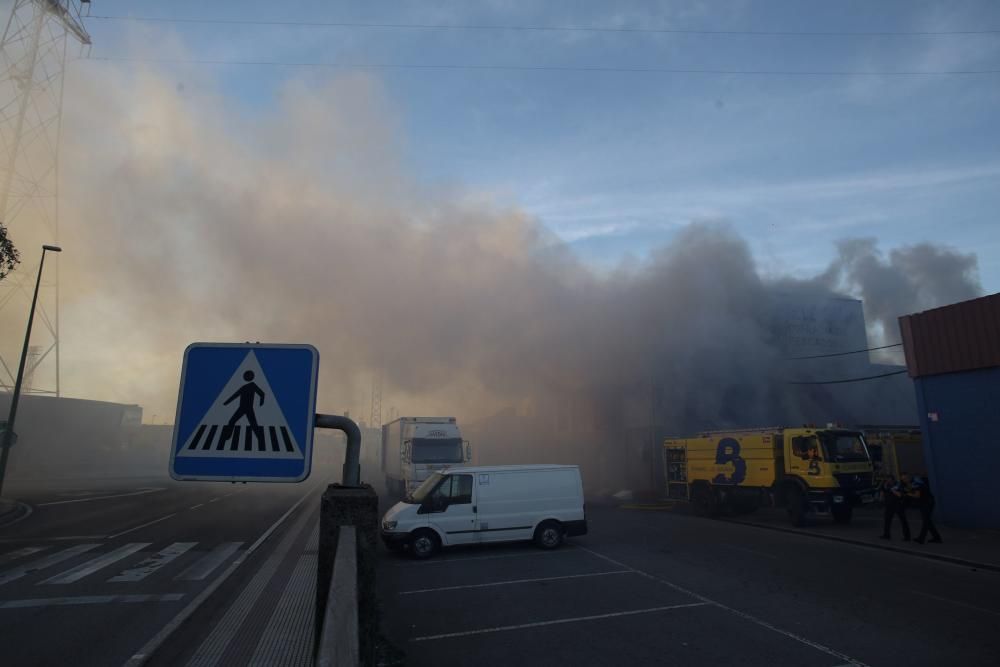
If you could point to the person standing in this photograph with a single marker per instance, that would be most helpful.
(921, 493)
(893, 499)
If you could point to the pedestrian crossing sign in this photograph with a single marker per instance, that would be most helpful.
(245, 413)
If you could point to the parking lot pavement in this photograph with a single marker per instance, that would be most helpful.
(648, 588)
(519, 605)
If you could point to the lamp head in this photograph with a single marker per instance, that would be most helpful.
(53, 248)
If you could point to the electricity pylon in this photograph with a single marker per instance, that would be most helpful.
(33, 52)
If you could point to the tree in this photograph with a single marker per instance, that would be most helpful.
(9, 256)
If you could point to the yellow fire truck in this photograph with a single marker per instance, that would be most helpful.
(895, 450)
(810, 471)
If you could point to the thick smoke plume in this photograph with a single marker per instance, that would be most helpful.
(913, 278)
(187, 219)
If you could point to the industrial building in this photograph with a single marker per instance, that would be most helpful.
(953, 356)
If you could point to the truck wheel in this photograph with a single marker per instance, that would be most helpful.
(424, 544)
(796, 506)
(703, 499)
(842, 514)
(549, 535)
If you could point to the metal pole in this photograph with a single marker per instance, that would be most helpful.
(352, 458)
(8, 433)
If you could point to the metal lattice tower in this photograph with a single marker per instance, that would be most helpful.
(33, 51)
(375, 416)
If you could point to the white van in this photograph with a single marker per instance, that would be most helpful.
(478, 505)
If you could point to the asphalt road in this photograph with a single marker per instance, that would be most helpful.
(646, 587)
(94, 573)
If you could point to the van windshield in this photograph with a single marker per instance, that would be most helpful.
(424, 490)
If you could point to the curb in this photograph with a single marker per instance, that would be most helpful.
(17, 512)
(993, 567)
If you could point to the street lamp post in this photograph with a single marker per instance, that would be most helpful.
(8, 433)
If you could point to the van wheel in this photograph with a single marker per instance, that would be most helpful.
(549, 535)
(424, 544)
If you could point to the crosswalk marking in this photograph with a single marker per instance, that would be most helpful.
(95, 564)
(153, 563)
(89, 599)
(20, 553)
(48, 561)
(213, 559)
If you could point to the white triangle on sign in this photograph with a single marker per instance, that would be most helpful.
(227, 430)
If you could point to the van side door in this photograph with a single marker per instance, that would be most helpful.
(451, 510)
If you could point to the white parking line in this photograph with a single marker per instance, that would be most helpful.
(89, 599)
(956, 602)
(514, 581)
(558, 621)
(140, 492)
(194, 507)
(737, 612)
(443, 561)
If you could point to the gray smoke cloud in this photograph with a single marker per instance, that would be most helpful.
(188, 218)
(911, 279)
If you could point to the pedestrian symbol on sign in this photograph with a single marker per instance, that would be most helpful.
(255, 429)
(245, 394)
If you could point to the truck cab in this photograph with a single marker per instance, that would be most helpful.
(825, 471)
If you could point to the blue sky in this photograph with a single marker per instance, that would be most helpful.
(616, 162)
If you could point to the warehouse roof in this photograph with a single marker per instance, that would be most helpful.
(963, 336)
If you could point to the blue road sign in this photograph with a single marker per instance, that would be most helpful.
(245, 413)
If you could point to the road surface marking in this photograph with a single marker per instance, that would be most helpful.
(207, 563)
(153, 563)
(140, 492)
(214, 646)
(20, 553)
(148, 523)
(443, 561)
(956, 602)
(214, 500)
(194, 507)
(750, 551)
(558, 621)
(288, 637)
(89, 599)
(48, 561)
(141, 656)
(94, 564)
(737, 612)
(514, 581)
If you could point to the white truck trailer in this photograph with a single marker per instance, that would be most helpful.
(414, 448)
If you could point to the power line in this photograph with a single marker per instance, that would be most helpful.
(841, 354)
(547, 28)
(541, 68)
(870, 377)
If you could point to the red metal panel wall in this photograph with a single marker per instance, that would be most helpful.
(960, 337)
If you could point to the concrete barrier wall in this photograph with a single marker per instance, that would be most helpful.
(346, 557)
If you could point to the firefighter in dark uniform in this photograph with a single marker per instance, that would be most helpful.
(894, 499)
(924, 499)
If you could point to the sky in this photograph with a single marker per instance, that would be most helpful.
(500, 203)
(615, 162)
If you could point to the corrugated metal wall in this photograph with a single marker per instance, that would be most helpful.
(960, 337)
(961, 431)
